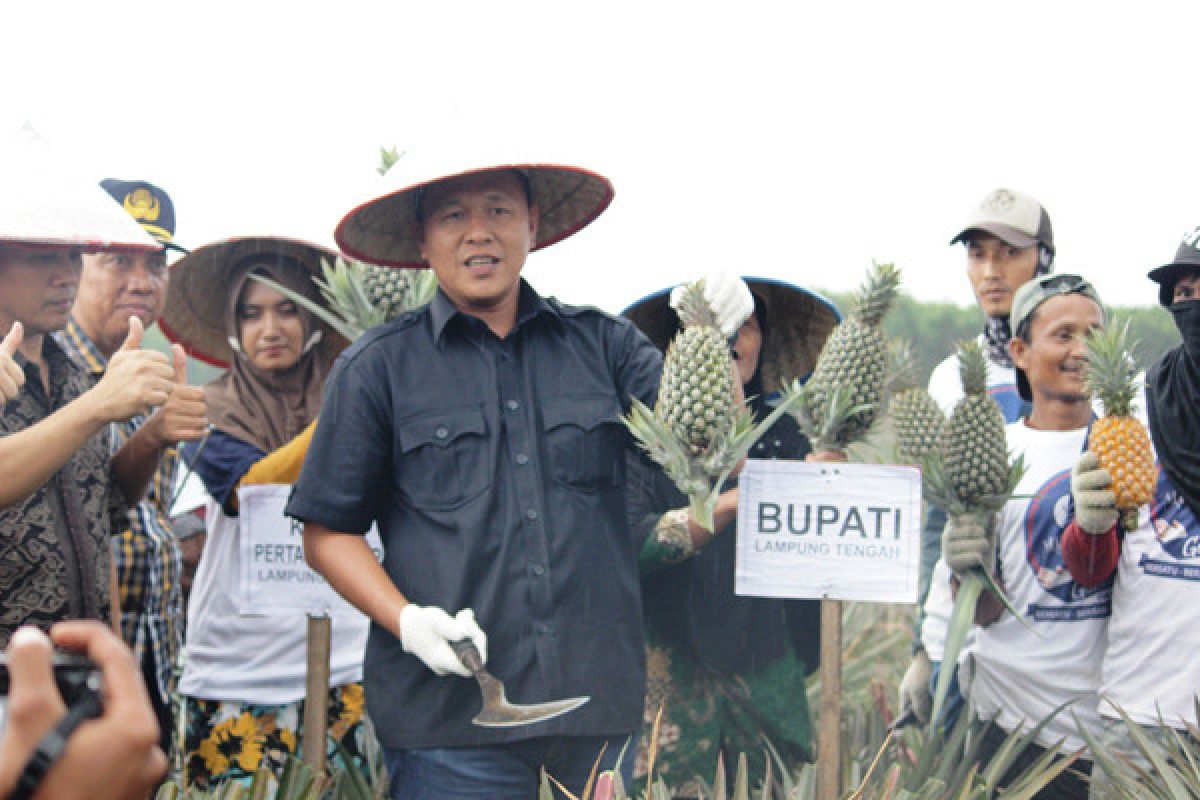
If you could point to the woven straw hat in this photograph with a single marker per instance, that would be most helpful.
(43, 203)
(383, 230)
(198, 294)
(798, 321)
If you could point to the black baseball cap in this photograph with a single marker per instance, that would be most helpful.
(150, 205)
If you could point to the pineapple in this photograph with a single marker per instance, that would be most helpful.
(362, 296)
(973, 451)
(970, 477)
(844, 394)
(1119, 440)
(918, 421)
(696, 396)
(916, 417)
(696, 432)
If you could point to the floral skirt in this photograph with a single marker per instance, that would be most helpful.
(227, 740)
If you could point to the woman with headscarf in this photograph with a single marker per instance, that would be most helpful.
(729, 671)
(243, 682)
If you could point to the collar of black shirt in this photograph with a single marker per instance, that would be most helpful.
(530, 304)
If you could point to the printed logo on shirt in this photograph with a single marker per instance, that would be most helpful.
(1009, 400)
(1176, 533)
(1048, 515)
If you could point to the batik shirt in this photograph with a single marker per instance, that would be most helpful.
(146, 552)
(54, 543)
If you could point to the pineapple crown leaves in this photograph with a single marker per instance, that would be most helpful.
(1112, 371)
(351, 312)
(902, 366)
(694, 309)
(972, 367)
(878, 293)
(827, 426)
(388, 158)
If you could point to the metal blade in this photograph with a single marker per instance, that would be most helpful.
(510, 715)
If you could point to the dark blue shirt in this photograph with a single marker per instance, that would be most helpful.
(495, 469)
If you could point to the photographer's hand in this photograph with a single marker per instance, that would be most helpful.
(112, 757)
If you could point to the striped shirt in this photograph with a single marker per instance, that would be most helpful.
(146, 553)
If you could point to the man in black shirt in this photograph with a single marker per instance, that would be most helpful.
(483, 434)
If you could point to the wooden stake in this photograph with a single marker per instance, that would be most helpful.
(316, 693)
(829, 731)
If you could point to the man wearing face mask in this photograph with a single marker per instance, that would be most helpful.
(1150, 671)
(1008, 240)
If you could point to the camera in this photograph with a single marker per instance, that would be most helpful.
(74, 674)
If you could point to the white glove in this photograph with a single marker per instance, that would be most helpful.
(426, 632)
(967, 543)
(1095, 503)
(914, 688)
(727, 295)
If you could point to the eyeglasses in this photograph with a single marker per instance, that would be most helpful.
(1064, 284)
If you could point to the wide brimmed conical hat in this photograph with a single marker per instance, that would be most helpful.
(198, 294)
(383, 230)
(43, 203)
(798, 321)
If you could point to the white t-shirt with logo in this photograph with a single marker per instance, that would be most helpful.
(945, 386)
(1152, 664)
(1020, 675)
(258, 658)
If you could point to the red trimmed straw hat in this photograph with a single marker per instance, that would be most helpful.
(198, 294)
(383, 230)
(42, 203)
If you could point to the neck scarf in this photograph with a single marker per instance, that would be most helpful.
(1171, 387)
(268, 409)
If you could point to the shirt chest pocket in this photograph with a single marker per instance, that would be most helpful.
(585, 441)
(442, 461)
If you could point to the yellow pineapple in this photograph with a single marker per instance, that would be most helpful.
(1119, 440)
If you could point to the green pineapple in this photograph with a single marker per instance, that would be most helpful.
(362, 296)
(974, 454)
(696, 432)
(918, 421)
(844, 395)
(970, 477)
(696, 396)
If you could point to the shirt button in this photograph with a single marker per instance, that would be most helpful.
(522, 458)
(538, 570)
(441, 432)
(513, 405)
(531, 513)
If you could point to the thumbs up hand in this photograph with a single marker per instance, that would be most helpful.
(136, 380)
(184, 417)
(12, 377)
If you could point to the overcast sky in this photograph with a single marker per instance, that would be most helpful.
(792, 140)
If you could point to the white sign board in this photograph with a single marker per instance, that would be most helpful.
(275, 576)
(842, 531)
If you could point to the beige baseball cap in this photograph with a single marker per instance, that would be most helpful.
(1013, 216)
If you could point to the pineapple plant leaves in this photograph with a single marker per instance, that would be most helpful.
(362, 296)
(1119, 440)
(844, 396)
(697, 432)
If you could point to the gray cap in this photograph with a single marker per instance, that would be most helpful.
(1013, 216)
(1030, 297)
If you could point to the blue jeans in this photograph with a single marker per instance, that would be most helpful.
(504, 771)
(955, 702)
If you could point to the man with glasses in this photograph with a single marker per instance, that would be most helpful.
(146, 555)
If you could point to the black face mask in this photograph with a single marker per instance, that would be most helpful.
(1187, 319)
